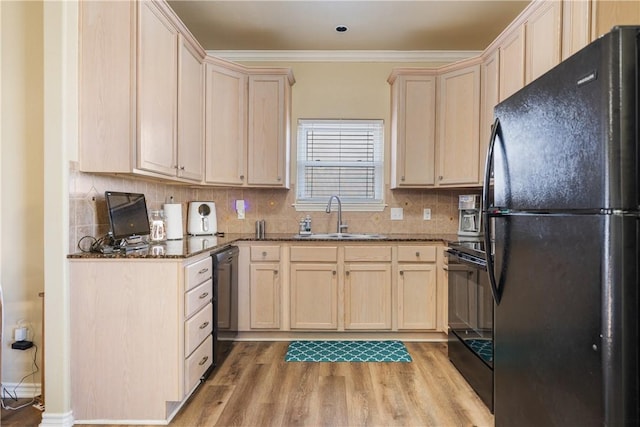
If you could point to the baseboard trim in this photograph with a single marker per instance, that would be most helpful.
(57, 419)
(22, 391)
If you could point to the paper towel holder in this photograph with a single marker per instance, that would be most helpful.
(173, 220)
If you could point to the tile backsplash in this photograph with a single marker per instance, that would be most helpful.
(88, 210)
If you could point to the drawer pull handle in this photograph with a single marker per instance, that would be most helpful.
(418, 254)
(264, 253)
(204, 270)
(204, 325)
(204, 295)
(204, 360)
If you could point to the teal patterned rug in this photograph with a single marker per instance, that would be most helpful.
(347, 351)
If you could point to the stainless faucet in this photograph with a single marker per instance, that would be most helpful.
(340, 226)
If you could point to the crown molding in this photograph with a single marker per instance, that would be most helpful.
(442, 56)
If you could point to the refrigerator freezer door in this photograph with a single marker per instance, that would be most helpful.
(566, 330)
(568, 141)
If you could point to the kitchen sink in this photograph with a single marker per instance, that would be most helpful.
(340, 236)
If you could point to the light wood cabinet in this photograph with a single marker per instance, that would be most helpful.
(132, 61)
(157, 91)
(459, 124)
(543, 36)
(511, 62)
(133, 319)
(367, 287)
(190, 111)
(489, 97)
(314, 287)
(225, 124)
(413, 127)
(417, 290)
(269, 131)
(585, 21)
(265, 287)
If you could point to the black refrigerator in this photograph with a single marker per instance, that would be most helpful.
(562, 217)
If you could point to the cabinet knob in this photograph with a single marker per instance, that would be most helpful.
(440, 177)
(334, 272)
(181, 168)
(242, 177)
(347, 272)
(275, 272)
(264, 253)
(203, 361)
(401, 273)
(418, 254)
(279, 178)
(402, 178)
(204, 325)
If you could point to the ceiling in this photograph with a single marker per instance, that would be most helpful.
(301, 25)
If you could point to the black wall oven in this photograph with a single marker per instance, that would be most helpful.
(471, 317)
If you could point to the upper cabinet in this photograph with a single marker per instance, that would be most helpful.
(269, 136)
(248, 125)
(458, 118)
(413, 117)
(511, 68)
(135, 79)
(226, 124)
(157, 86)
(489, 97)
(543, 34)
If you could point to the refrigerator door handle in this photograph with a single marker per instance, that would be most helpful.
(485, 212)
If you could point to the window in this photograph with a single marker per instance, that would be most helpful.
(342, 157)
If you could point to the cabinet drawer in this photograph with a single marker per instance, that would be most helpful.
(197, 328)
(265, 253)
(367, 253)
(197, 273)
(417, 253)
(198, 297)
(197, 364)
(314, 254)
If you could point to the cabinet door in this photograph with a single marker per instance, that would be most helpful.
(512, 63)
(157, 91)
(314, 296)
(417, 296)
(190, 113)
(543, 35)
(106, 86)
(576, 30)
(265, 296)
(459, 126)
(225, 124)
(413, 131)
(268, 136)
(489, 97)
(367, 296)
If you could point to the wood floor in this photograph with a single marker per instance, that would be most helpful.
(255, 387)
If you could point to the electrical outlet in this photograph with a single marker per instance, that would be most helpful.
(20, 334)
(397, 214)
(426, 214)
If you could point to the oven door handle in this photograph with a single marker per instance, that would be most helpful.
(495, 132)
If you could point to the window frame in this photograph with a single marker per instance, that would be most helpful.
(375, 204)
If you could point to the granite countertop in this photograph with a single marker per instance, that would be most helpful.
(195, 245)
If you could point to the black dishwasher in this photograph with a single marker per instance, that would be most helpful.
(225, 302)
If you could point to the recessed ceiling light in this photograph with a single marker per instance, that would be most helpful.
(341, 28)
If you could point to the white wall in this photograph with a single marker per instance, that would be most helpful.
(21, 183)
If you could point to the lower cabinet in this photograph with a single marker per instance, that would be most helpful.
(264, 287)
(417, 288)
(141, 330)
(314, 288)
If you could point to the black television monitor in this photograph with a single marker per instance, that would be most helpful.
(127, 214)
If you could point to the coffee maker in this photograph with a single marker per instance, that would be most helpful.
(470, 215)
